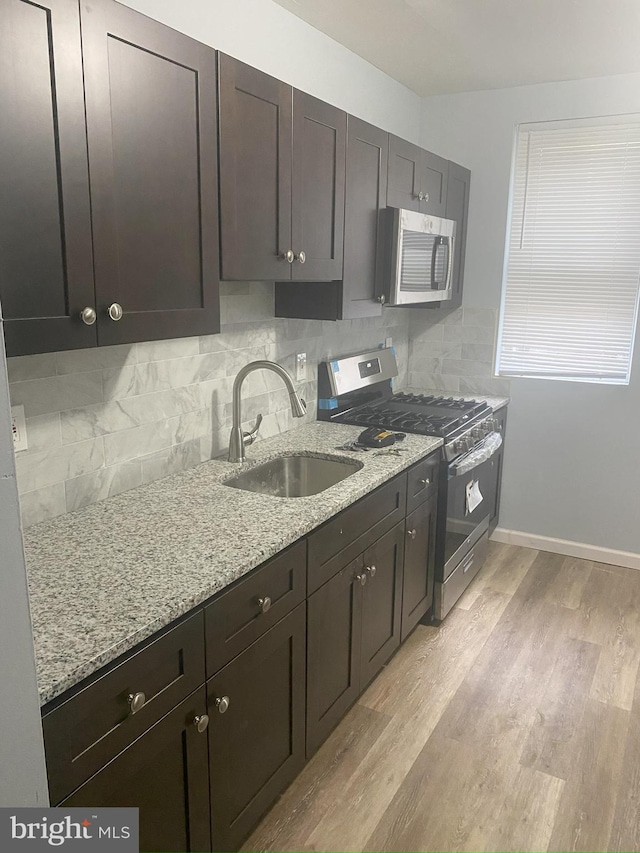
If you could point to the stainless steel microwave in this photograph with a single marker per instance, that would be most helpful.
(422, 249)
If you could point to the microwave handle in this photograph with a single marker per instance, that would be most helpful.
(435, 285)
(450, 249)
(434, 254)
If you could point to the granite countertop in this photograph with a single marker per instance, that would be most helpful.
(103, 579)
(495, 402)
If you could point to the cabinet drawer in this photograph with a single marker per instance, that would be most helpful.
(422, 481)
(238, 617)
(92, 727)
(340, 540)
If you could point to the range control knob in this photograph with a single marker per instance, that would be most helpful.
(477, 433)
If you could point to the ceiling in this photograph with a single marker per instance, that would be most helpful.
(444, 46)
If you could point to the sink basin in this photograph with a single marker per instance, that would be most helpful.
(294, 476)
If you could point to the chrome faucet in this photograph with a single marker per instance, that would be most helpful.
(239, 439)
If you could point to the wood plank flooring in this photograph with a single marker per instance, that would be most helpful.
(513, 726)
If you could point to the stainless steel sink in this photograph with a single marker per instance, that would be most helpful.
(296, 475)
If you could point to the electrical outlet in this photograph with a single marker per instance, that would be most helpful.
(19, 428)
(301, 367)
(388, 342)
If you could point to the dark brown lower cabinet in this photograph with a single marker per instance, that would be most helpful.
(353, 628)
(256, 729)
(381, 604)
(334, 622)
(165, 774)
(419, 554)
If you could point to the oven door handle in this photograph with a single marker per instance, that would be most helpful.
(488, 448)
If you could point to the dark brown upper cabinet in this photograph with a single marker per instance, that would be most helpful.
(417, 178)
(363, 259)
(46, 265)
(317, 192)
(458, 209)
(282, 172)
(151, 128)
(255, 172)
(131, 223)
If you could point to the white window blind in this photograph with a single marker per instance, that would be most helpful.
(570, 293)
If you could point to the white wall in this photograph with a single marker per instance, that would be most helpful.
(22, 770)
(568, 474)
(268, 37)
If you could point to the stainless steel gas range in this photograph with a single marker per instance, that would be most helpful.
(357, 390)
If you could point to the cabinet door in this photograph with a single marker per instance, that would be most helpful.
(256, 746)
(365, 202)
(458, 209)
(419, 556)
(334, 622)
(381, 605)
(317, 229)
(405, 174)
(151, 128)
(255, 173)
(46, 266)
(164, 773)
(433, 181)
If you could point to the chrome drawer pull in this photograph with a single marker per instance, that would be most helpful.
(136, 701)
(362, 579)
(201, 723)
(412, 533)
(223, 704)
(264, 604)
(371, 571)
(425, 482)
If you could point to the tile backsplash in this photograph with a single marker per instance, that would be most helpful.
(105, 420)
(454, 351)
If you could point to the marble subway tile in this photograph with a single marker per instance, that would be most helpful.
(42, 504)
(159, 435)
(163, 350)
(424, 364)
(96, 358)
(101, 484)
(43, 432)
(478, 352)
(258, 305)
(454, 334)
(460, 367)
(24, 367)
(171, 460)
(57, 393)
(46, 467)
(477, 334)
(114, 416)
(434, 382)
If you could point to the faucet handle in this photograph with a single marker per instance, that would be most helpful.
(250, 437)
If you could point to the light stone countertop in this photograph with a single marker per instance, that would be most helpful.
(105, 578)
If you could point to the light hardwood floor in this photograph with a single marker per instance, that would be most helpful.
(513, 726)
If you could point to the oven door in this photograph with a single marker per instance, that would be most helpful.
(470, 487)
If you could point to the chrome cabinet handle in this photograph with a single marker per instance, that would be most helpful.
(371, 570)
(115, 311)
(382, 299)
(136, 701)
(223, 704)
(425, 482)
(301, 256)
(88, 316)
(201, 722)
(264, 604)
(425, 196)
(412, 533)
(421, 196)
(362, 579)
(288, 256)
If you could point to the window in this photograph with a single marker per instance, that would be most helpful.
(570, 293)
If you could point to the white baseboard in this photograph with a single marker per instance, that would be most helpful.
(569, 549)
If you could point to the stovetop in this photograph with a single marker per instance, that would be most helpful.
(424, 414)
